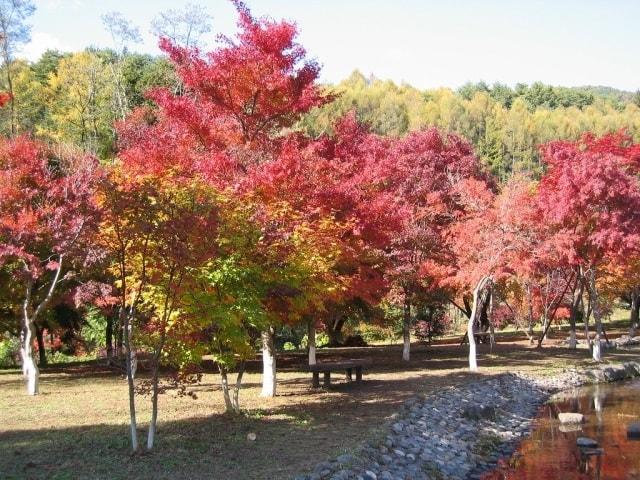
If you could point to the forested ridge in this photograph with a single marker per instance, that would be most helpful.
(74, 98)
(506, 125)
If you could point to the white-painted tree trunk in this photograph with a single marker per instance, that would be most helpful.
(29, 365)
(151, 435)
(33, 376)
(597, 318)
(268, 364)
(572, 338)
(129, 359)
(597, 346)
(311, 341)
(29, 316)
(224, 382)
(23, 357)
(473, 361)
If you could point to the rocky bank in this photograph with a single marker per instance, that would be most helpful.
(460, 432)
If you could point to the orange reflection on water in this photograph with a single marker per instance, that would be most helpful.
(551, 452)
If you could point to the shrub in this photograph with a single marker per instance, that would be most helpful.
(375, 333)
(292, 335)
(322, 340)
(289, 347)
(93, 332)
(9, 351)
(430, 323)
(60, 357)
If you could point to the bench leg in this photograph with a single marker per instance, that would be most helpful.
(358, 374)
(349, 378)
(327, 379)
(316, 379)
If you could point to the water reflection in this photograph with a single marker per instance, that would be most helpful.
(551, 451)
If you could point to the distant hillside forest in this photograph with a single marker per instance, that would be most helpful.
(505, 124)
(75, 98)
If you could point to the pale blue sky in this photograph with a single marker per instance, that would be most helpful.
(427, 43)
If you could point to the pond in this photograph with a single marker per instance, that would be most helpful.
(551, 451)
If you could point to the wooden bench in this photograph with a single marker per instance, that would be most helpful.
(327, 367)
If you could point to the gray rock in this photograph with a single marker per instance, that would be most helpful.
(370, 475)
(567, 417)
(633, 430)
(386, 459)
(399, 452)
(571, 427)
(480, 412)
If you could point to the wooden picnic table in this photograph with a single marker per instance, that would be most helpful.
(348, 366)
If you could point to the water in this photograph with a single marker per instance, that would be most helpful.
(551, 451)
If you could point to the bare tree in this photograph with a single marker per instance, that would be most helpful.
(183, 27)
(123, 34)
(14, 32)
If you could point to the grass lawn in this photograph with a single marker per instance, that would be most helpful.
(77, 428)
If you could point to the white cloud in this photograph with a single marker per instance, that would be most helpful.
(41, 42)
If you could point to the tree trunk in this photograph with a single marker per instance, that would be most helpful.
(119, 339)
(12, 100)
(573, 316)
(468, 308)
(42, 353)
(406, 329)
(597, 317)
(545, 328)
(151, 435)
(334, 329)
(587, 316)
(473, 362)
(236, 389)
(492, 333)
(311, 342)
(530, 315)
(224, 383)
(268, 363)
(109, 337)
(29, 317)
(634, 315)
(132, 393)
(29, 367)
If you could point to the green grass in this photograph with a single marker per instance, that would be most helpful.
(77, 428)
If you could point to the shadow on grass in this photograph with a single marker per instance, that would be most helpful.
(290, 438)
